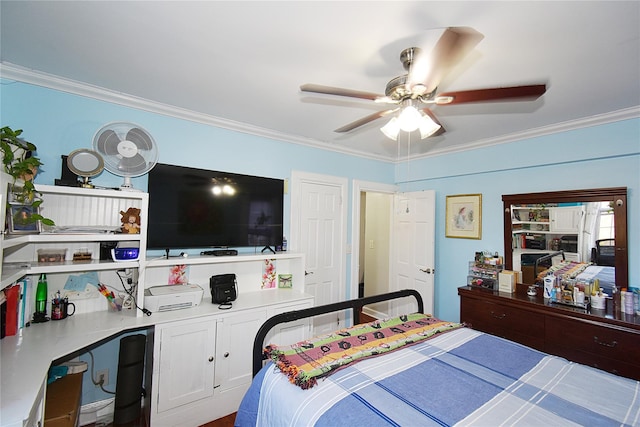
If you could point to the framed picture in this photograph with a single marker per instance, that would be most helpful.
(464, 216)
(285, 281)
(18, 222)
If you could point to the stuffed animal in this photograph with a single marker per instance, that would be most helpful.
(130, 221)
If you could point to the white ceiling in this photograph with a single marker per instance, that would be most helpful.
(240, 64)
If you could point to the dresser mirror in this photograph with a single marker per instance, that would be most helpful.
(531, 230)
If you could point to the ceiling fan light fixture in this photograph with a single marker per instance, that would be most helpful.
(392, 129)
(428, 127)
(409, 119)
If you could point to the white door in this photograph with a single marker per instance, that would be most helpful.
(413, 247)
(318, 230)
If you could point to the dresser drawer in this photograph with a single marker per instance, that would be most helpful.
(602, 341)
(493, 318)
(618, 367)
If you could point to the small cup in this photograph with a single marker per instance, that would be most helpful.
(60, 308)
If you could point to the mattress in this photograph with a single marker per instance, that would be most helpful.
(463, 377)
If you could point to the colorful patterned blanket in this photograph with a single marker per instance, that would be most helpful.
(306, 361)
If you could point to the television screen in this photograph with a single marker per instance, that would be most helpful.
(197, 208)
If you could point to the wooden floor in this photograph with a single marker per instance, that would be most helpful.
(222, 422)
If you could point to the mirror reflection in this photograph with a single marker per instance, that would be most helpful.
(581, 232)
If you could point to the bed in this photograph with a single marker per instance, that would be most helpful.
(457, 376)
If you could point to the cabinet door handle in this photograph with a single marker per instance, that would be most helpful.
(498, 316)
(210, 358)
(226, 354)
(610, 345)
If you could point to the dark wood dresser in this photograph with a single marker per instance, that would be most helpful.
(600, 338)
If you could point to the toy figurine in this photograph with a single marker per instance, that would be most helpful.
(130, 221)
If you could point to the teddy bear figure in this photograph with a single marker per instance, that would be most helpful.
(130, 221)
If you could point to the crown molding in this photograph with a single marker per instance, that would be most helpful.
(600, 119)
(15, 72)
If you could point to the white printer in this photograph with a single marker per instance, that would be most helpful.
(172, 297)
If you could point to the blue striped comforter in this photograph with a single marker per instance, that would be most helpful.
(463, 377)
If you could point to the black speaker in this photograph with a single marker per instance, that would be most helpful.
(67, 178)
(129, 380)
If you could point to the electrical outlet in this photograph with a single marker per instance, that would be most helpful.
(102, 376)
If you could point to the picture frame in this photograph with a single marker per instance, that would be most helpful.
(464, 216)
(17, 215)
(285, 281)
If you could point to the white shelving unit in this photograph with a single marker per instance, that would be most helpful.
(73, 207)
(234, 329)
(248, 269)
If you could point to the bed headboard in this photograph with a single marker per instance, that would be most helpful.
(355, 305)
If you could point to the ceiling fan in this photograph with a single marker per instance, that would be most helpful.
(413, 93)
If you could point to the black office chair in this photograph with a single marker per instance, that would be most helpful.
(604, 253)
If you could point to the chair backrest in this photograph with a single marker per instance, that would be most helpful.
(606, 252)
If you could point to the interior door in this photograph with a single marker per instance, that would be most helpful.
(318, 230)
(413, 247)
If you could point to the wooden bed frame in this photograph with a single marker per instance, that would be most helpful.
(355, 305)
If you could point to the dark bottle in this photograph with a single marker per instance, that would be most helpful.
(41, 294)
(616, 299)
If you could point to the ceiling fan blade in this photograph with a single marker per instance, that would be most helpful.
(329, 90)
(429, 68)
(493, 94)
(433, 117)
(363, 121)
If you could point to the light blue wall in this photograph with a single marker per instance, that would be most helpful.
(600, 156)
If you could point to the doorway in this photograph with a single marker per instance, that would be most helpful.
(371, 239)
(405, 228)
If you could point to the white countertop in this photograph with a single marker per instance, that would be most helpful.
(25, 360)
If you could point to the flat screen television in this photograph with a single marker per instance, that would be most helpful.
(198, 208)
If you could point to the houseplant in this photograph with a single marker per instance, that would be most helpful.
(22, 165)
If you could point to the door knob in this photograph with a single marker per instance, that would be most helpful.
(306, 273)
(428, 270)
